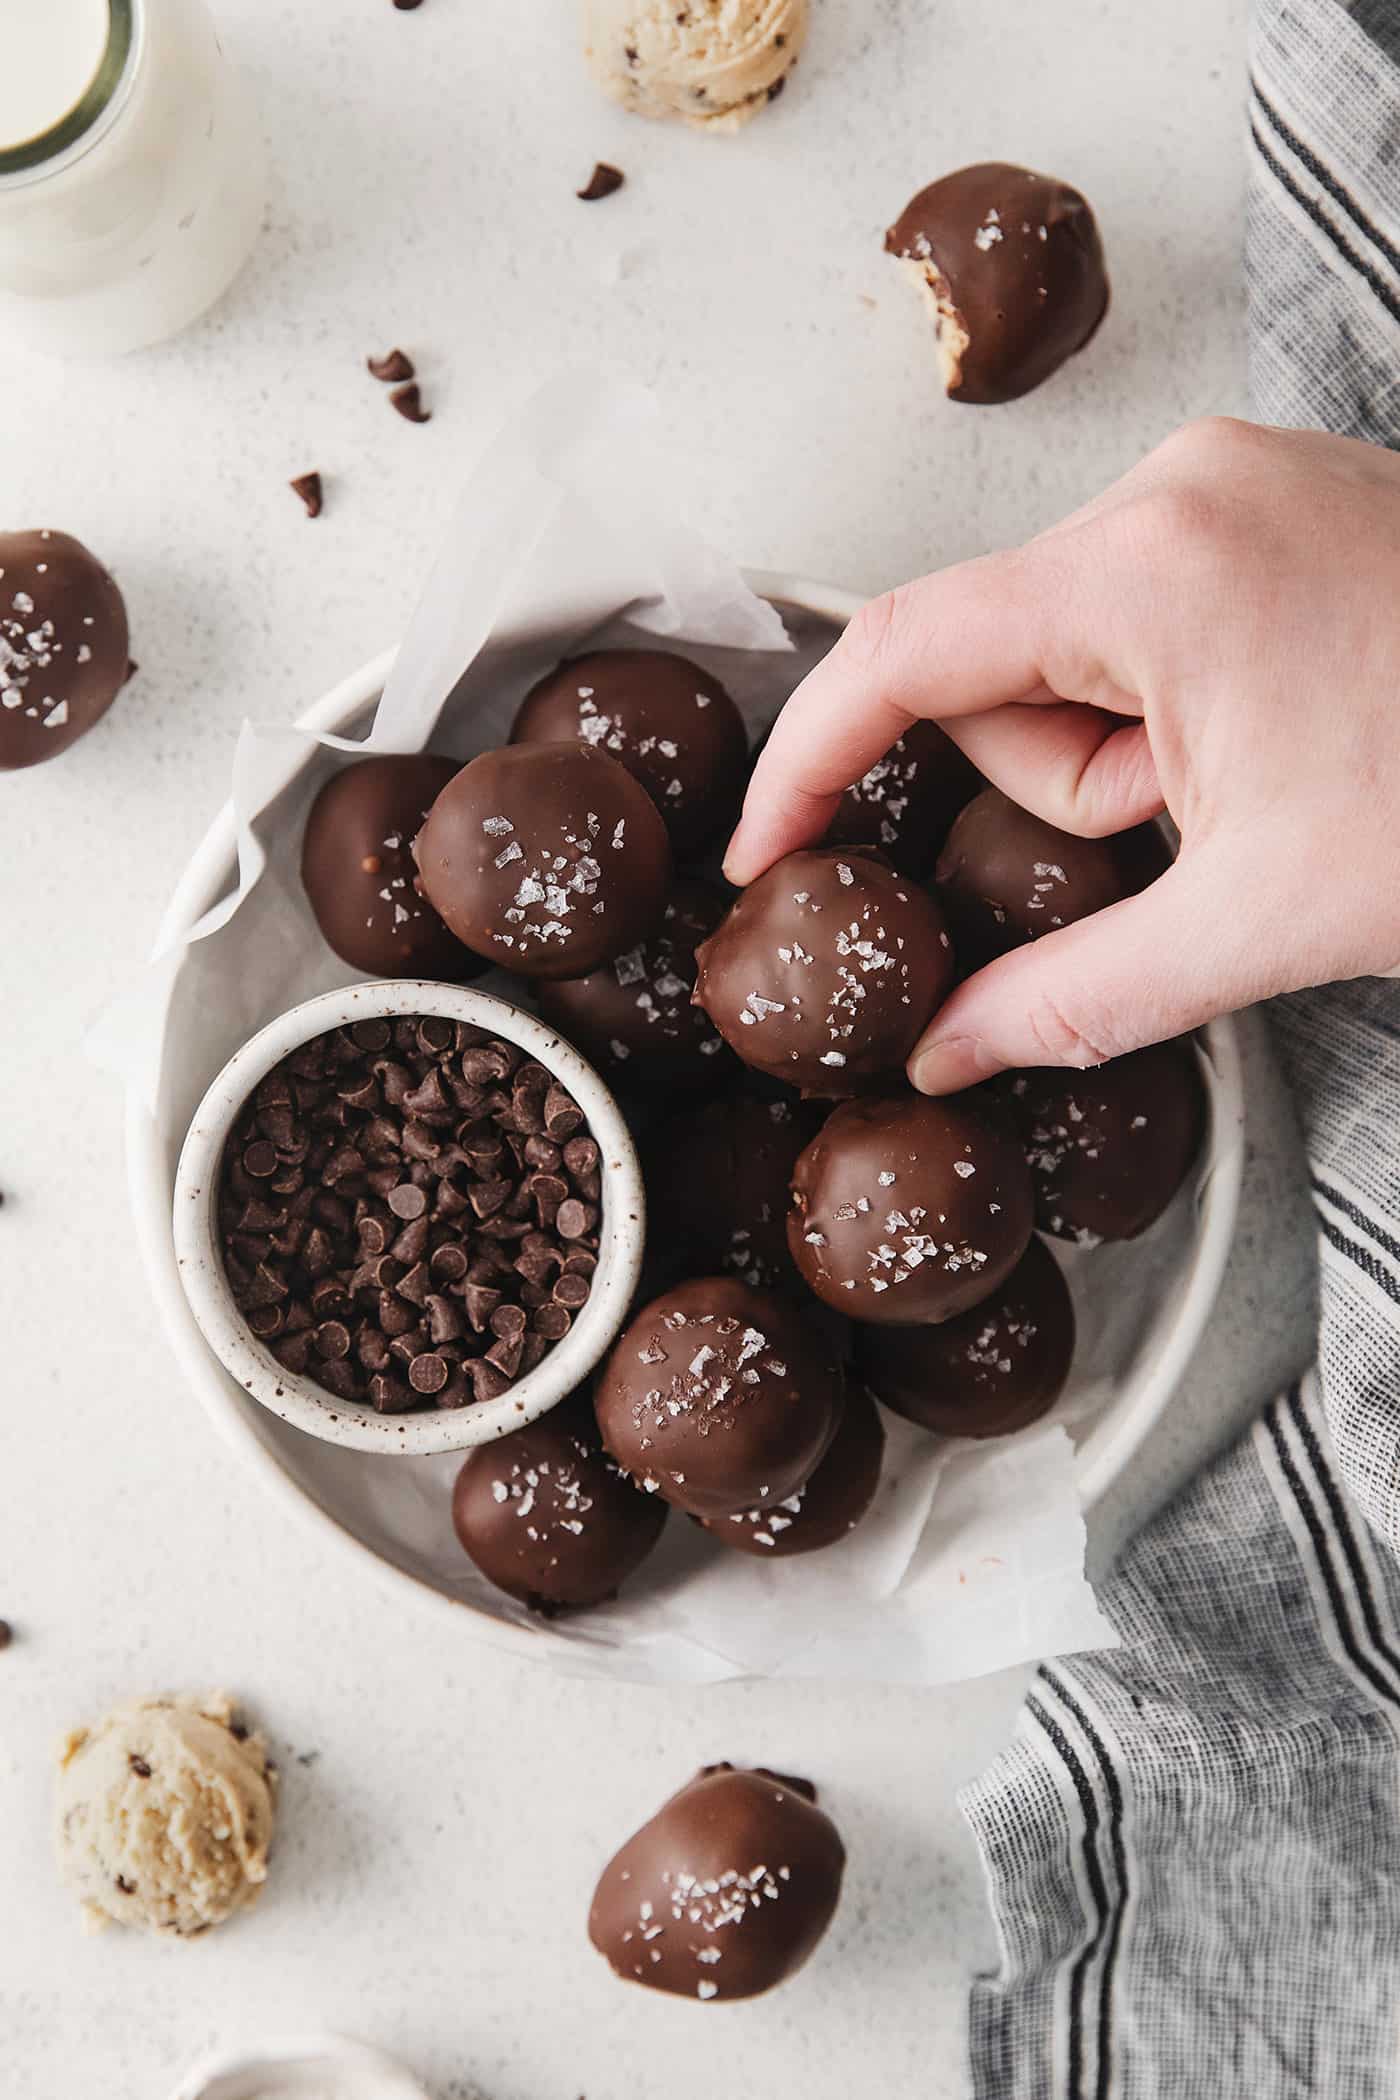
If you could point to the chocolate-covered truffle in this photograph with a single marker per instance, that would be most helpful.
(549, 1518)
(906, 803)
(63, 645)
(830, 1504)
(725, 1892)
(671, 724)
(720, 1397)
(826, 970)
(1110, 1147)
(634, 1016)
(717, 1183)
(907, 1210)
(548, 859)
(360, 877)
(1012, 266)
(991, 1370)
(1006, 877)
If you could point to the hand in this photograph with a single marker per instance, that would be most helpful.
(1219, 635)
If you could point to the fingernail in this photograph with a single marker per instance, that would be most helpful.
(949, 1065)
(736, 866)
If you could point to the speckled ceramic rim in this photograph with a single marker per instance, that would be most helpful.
(1101, 1454)
(264, 2073)
(301, 1401)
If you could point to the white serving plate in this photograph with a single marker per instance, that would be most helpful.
(310, 1479)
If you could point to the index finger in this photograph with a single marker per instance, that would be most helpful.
(955, 643)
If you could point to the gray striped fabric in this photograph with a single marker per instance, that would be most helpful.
(1192, 1846)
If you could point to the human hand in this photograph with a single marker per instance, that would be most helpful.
(1218, 634)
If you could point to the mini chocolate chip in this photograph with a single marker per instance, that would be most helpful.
(575, 1219)
(488, 1380)
(412, 1243)
(552, 1321)
(392, 368)
(7, 1634)
(505, 1354)
(428, 1373)
(266, 1321)
(407, 1200)
(333, 1339)
(572, 1291)
(445, 1321)
(407, 399)
(448, 1262)
(139, 1766)
(260, 1160)
(308, 487)
(481, 1301)
(339, 1377)
(507, 1320)
(603, 182)
(562, 1114)
(390, 1395)
(374, 1235)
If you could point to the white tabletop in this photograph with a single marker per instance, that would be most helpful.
(445, 1810)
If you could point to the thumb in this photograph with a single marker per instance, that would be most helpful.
(1151, 967)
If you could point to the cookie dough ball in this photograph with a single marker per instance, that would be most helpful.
(1012, 269)
(906, 803)
(63, 645)
(547, 1516)
(548, 859)
(1110, 1147)
(712, 63)
(671, 724)
(994, 1369)
(360, 878)
(720, 1398)
(1006, 877)
(832, 1502)
(909, 1210)
(634, 1017)
(725, 1892)
(826, 970)
(165, 1812)
(717, 1182)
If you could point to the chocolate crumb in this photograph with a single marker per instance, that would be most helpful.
(392, 368)
(603, 182)
(139, 1766)
(7, 1634)
(406, 7)
(408, 402)
(128, 1888)
(308, 487)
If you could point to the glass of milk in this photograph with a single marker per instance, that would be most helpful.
(131, 173)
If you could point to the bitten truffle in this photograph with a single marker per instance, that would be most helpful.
(994, 1369)
(907, 801)
(720, 1398)
(717, 1187)
(547, 1516)
(634, 1016)
(548, 859)
(1006, 877)
(831, 1503)
(1110, 1147)
(671, 724)
(909, 1210)
(1011, 265)
(63, 645)
(826, 970)
(358, 871)
(725, 1892)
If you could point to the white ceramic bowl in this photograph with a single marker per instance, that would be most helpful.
(310, 1480)
(300, 1400)
(307, 2067)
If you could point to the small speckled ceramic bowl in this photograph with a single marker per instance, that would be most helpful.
(311, 2067)
(299, 1400)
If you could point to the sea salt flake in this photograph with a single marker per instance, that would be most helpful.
(496, 827)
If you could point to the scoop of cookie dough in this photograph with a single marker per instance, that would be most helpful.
(712, 63)
(165, 1815)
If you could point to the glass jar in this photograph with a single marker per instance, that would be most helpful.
(131, 172)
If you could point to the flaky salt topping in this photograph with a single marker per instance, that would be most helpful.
(545, 1497)
(30, 647)
(715, 1365)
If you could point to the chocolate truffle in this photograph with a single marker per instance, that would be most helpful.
(671, 724)
(548, 859)
(548, 1517)
(991, 1370)
(720, 1397)
(634, 1016)
(725, 1892)
(906, 803)
(831, 1503)
(908, 1210)
(358, 871)
(1006, 877)
(826, 970)
(1110, 1147)
(1012, 268)
(63, 645)
(717, 1183)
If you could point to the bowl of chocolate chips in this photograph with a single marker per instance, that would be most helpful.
(408, 1217)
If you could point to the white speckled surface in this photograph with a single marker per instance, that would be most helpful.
(438, 1852)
